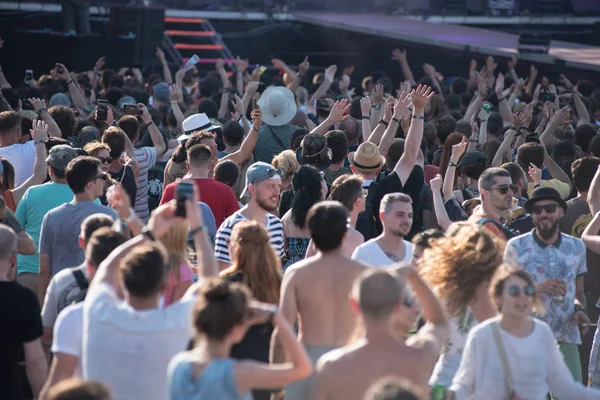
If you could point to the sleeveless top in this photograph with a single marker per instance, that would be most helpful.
(216, 381)
(296, 249)
(451, 353)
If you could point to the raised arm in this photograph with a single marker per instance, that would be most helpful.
(420, 97)
(590, 235)
(505, 146)
(249, 143)
(39, 106)
(326, 85)
(503, 106)
(165, 66)
(39, 134)
(338, 113)
(431, 73)
(365, 121)
(251, 88)
(401, 57)
(241, 65)
(438, 202)
(474, 139)
(559, 118)
(157, 139)
(581, 109)
(75, 92)
(457, 152)
(557, 173)
(400, 111)
(381, 127)
(482, 90)
(593, 197)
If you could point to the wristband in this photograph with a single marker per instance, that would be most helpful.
(452, 164)
(299, 74)
(255, 128)
(36, 142)
(474, 140)
(41, 110)
(500, 99)
(579, 308)
(482, 120)
(365, 117)
(197, 230)
(419, 117)
(71, 81)
(382, 121)
(146, 232)
(396, 120)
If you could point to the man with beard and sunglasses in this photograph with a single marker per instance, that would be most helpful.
(396, 214)
(263, 185)
(557, 263)
(496, 191)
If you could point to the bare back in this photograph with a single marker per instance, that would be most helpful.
(319, 288)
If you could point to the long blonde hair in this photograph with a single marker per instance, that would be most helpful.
(175, 242)
(252, 254)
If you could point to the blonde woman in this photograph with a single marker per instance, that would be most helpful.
(101, 151)
(288, 163)
(179, 277)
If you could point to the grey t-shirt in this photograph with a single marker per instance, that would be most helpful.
(59, 236)
(272, 140)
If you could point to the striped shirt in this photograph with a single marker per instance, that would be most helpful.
(274, 227)
(146, 158)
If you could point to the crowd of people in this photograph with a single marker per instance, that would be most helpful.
(229, 234)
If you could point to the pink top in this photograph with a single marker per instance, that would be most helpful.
(185, 274)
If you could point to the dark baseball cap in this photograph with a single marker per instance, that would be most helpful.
(60, 156)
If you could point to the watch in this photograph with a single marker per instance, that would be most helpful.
(452, 164)
(36, 142)
(384, 122)
(148, 233)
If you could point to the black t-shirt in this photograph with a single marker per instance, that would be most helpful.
(128, 181)
(412, 187)
(156, 179)
(21, 323)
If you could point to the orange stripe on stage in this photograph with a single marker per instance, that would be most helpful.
(187, 46)
(189, 33)
(184, 20)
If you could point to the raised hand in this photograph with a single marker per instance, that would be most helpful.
(278, 63)
(220, 65)
(547, 111)
(344, 84)
(519, 120)
(252, 87)
(404, 86)
(528, 113)
(241, 65)
(330, 73)
(535, 173)
(499, 88)
(472, 66)
(175, 93)
(365, 106)
(99, 64)
(565, 82)
(146, 117)
(238, 105)
(39, 130)
(339, 111)
(37, 104)
(62, 72)
(304, 66)
(179, 75)
(482, 86)
(474, 126)
(562, 116)
(378, 94)
(421, 96)
(388, 109)
(160, 54)
(256, 116)
(120, 202)
(399, 55)
(163, 218)
(459, 149)
(511, 63)
(193, 211)
(429, 70)
(533, 73)
(436, 183)
(401, 105)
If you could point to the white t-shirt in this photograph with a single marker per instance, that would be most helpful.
(62, 291)
(371, 254)
(535, 363)
(68, 333)
(22, 158)
(130, 349)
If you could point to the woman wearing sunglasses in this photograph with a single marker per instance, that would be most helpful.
(459, 268)
(515, 356)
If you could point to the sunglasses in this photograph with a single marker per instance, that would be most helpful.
(409, 301)
(106, 160)
(102, 176)
(549, 208)
(503, 189)
(515, 291)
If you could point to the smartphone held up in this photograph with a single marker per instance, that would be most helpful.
(184, 191)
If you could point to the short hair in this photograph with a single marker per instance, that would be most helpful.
(351, 128)
(459, 85)
(444, 125)
(377, 292)
(114, 138)
(296, 138)
(101, 244)
(495, 123)
(227, 172)
(530, 152)
(199, 155)
(594, 146)
(393, 388)
(80, 171)
(327, 223)
(74, 389)
(583, 135)
(9, 122)
(93, 147)
(346, 189)
(487, 178)
(394, 153)
(337, 141)
(583, 171)
(144, 270)
(198, 137)
(233, 133)
(515, 171)
(453, 101)
(130, 125)
(94, 222)
(392, 198)
(287, 162)
(113, 95)
(8, 242)
(65, 119)
(585, 87)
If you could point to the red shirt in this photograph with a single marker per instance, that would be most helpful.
(217, 195)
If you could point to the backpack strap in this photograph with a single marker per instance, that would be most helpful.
(80, 278)
(277, 138)
(507, 232)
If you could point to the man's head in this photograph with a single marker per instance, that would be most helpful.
(594, 147)
(143, 271)
(327, 223)
(206, 138)
(453, 102)
(130, 125)
(444, 126)
(496, 188)
(227, 172)
(263, 184)
(583, 136)
(199, 157)
(337, 141)
(495, 123)
(531, 153)
(583, 171)
(58, 159)
(114, 138)
(348, 190)
(396, 214)
(517, 177)
(73, 389)
(547, 208)
(84, 176)
(233, 133)
(90, 225)
(366, 160)
(8, 248)
(65, 119)
(102, 242)
(351, 128)
(10, 126)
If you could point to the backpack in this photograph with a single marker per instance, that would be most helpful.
(508, 232)
(366, 222)
(83, 284)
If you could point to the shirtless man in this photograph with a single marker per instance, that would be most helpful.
(315, 292)
(383, 301)
(348, 190)
(396, 214)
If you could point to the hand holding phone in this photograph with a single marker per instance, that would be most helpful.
(102, 110)
(183, 192)
(132, 109)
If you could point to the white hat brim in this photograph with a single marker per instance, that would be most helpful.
(288, 114)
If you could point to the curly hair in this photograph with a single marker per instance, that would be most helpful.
(459, 263)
